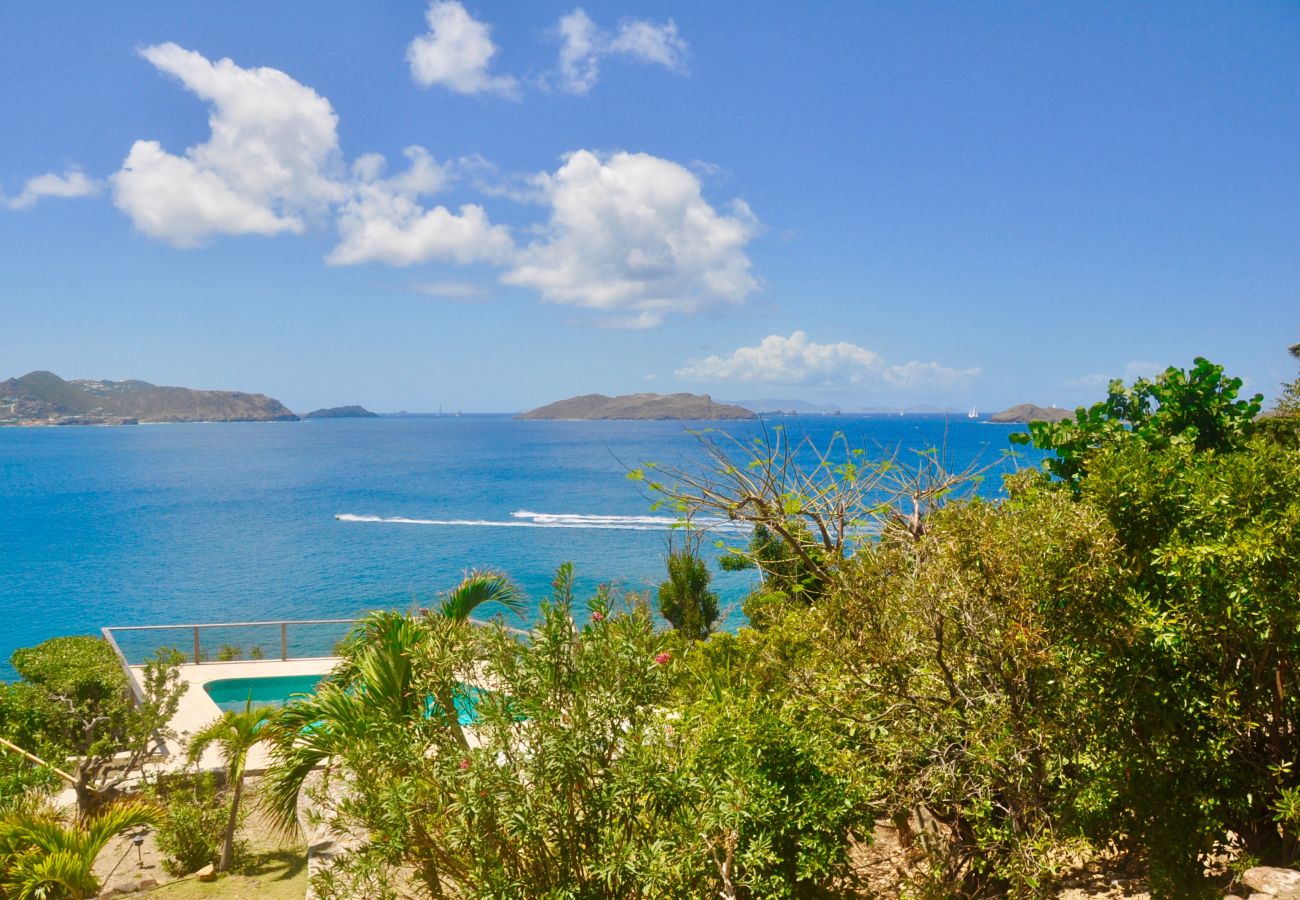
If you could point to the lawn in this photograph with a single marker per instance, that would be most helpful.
(273, 875)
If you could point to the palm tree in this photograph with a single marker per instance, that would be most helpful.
(234, 733)
(477, 589)
(379, 687)
(41, 856)
(1295, 350)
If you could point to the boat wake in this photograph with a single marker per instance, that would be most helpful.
(525, 519)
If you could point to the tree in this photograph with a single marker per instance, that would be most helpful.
(1194, 679)
(685, 599)
(1198, 407)
(235, 733)
(806, 507)
(91, 711)
(398, 687)
(43, 857)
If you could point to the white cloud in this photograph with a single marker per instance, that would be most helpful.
(1132, 372)
(795, 360)
(383, 220)
(630, 235)
(583, 45)
(72, 183)
(270, 163)
(456, 53)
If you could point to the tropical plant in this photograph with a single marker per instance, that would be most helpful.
(235, 733)
(398, 688)
(479, 588)
(1197, 407)
(685, 599)
(192, 827)
(42, 857)
(90, 712)
(1196, 690)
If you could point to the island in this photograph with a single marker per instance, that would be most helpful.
(342, 412)
(1023, 413)
(43, 398)
(639, 406)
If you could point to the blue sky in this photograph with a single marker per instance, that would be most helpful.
(857, 203)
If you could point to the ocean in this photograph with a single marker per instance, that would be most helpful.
(326, 519)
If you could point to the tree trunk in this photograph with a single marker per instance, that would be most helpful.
(228, 849)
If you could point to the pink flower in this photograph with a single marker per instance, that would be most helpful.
(598, 617)
(464, 764)
(664, 658)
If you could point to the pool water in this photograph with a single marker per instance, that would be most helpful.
(275, 690)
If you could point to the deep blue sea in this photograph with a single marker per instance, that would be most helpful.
(235, 522)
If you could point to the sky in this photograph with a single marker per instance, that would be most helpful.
(488, 206)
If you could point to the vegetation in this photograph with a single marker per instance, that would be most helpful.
(234, 733)
(685, 599)
(75, 701)
(1104, 658)
(1197, 408)
(42, 856)
(192, 828)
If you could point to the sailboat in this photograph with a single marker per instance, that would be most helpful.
(973, 414)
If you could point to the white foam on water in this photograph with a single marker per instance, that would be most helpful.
(525, 519)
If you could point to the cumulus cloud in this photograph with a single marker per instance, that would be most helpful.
(383, 220)
(583, 45)
(631, 235)
(456, 53)
(72, 183)
(270, 163)
(795, 360)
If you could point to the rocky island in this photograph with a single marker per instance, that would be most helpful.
(43, 398)
(639, 406)
(1024, 413)
(342, 412)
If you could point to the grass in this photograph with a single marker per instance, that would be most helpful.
(271, 875)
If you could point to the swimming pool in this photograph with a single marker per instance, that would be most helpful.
(277, 690)
(274, 690)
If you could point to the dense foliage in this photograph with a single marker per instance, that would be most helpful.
(1104, 659)
(192, 823)
(1197, 408)
(75, 700)
(599, 764)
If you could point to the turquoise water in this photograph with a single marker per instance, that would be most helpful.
(240, 521)
(277, 690)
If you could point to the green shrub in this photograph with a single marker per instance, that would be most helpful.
(685, 599)
(229, 652)
(193, 824)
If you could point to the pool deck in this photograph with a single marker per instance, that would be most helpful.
(197, 709)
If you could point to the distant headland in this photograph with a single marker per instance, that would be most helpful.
(43, 398)
(342, 412)
(639, 406)
(1023, 413)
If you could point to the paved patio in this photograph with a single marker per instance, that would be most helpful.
(197, 709)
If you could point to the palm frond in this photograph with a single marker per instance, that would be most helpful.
(39, 875)
(119, 817)
(479, 588)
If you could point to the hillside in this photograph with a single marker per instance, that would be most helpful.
(1027, 412)
(639, 406)
(342, 412)
(43, 398)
